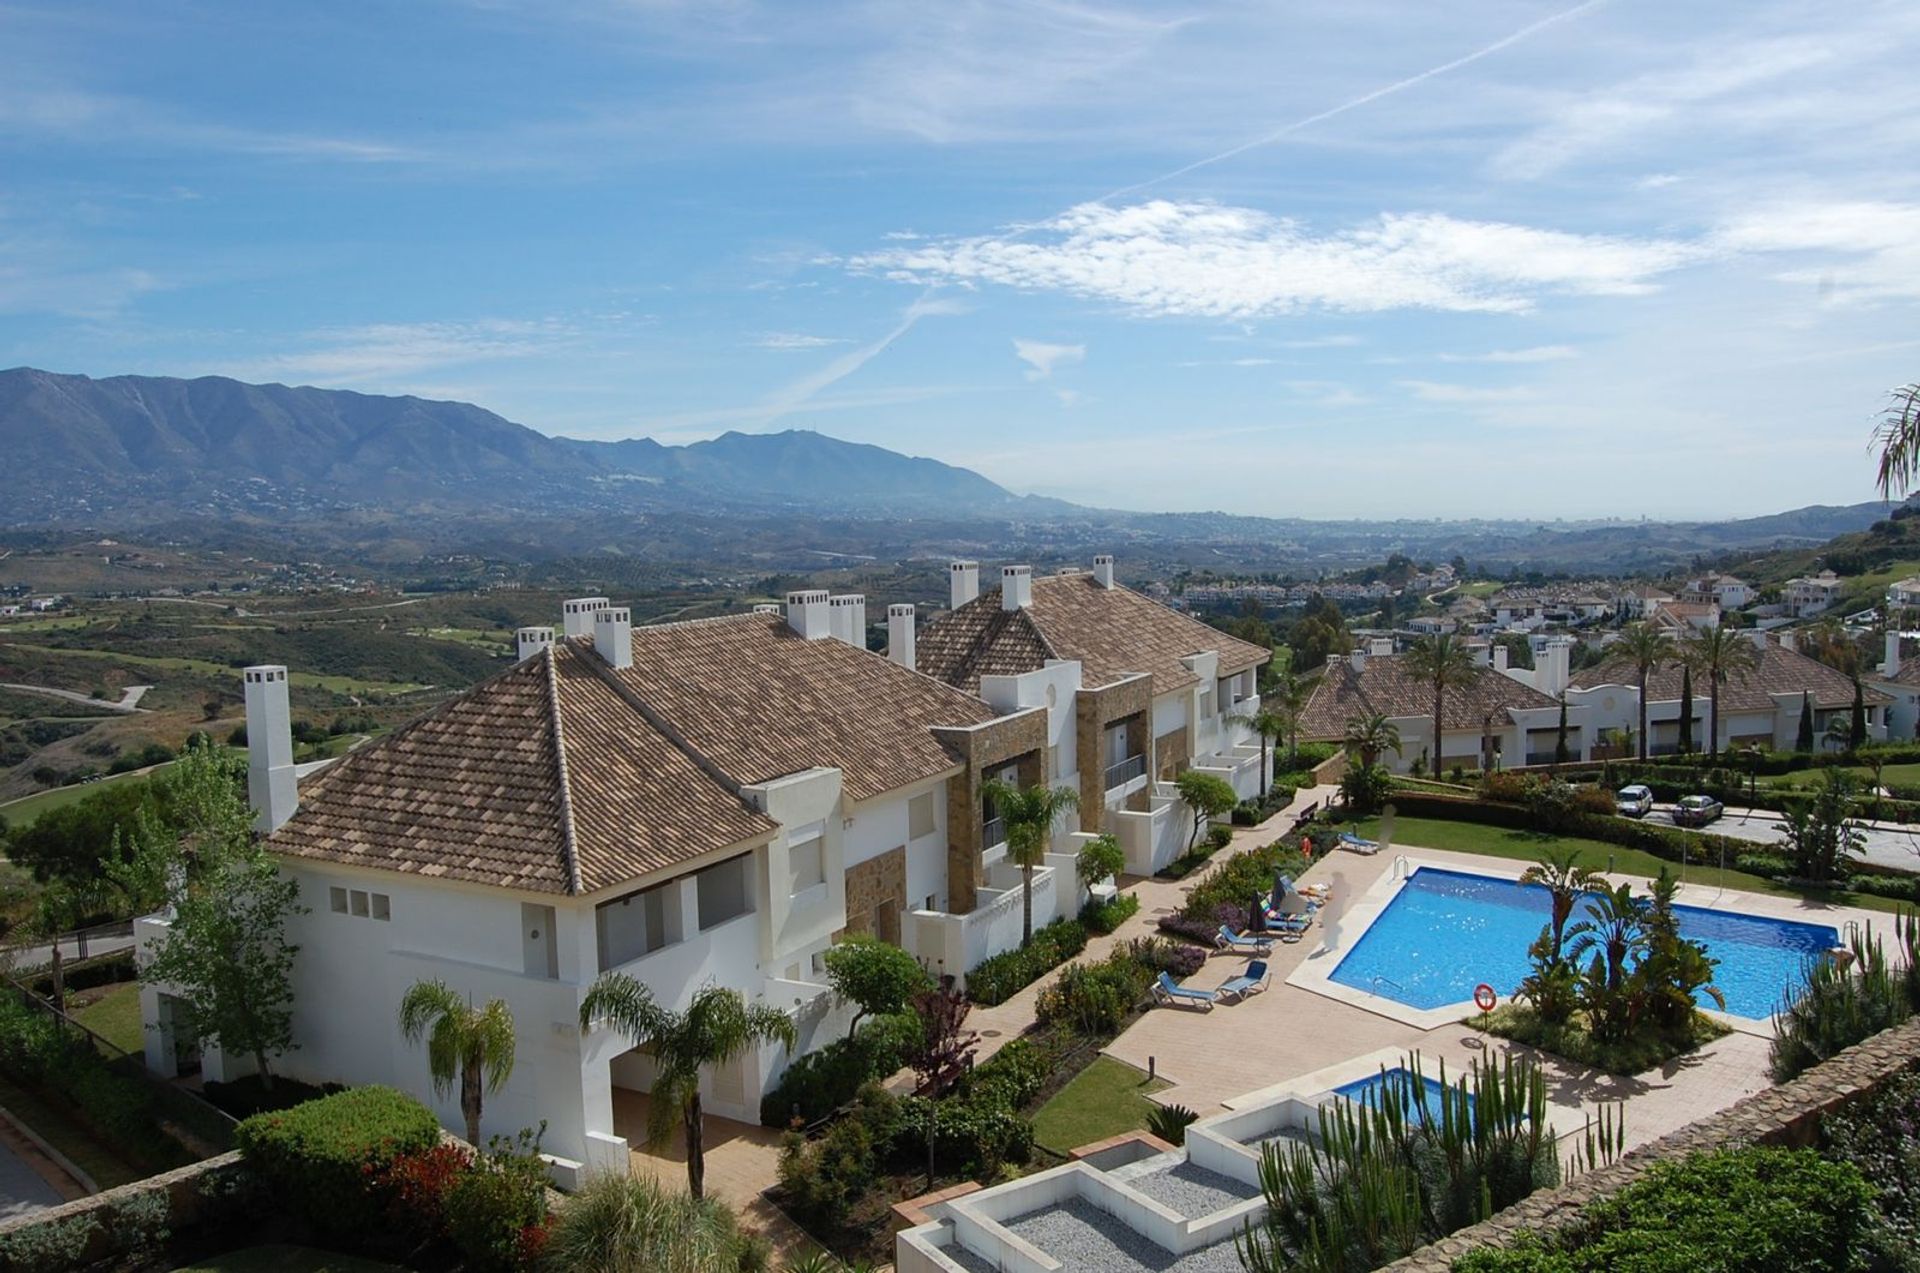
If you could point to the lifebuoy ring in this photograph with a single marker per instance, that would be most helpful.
(1484, 998)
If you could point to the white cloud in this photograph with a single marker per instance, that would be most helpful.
(797, 340)
(1323, 342)
(1041, 358)
(1453, 394)
(1190, 259)
(382, 351)
(1877, 243)
(1537, 353)
(1327, 393)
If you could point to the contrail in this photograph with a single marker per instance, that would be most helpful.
(1508, 41)
(803, 390)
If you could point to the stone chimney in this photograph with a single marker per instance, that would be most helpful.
(613, 636)
(900, 635)
(1357, 659)
(807, 614)
(1103, 570)
(1891, 666)
(272, 789)
(963, 583)
(1016, 587)
(530, 641)
(577, 615)
(847, 618)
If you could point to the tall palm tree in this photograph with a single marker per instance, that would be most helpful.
(1272, 726)
(1371, 735)
(717, 1027)
(1647, 648)
(474, 1044)
(1287, 699)
(1719, 654)
(1559, 872)
(1031, 813)
(1616, 930)
(1445, 663)
(1898, 436)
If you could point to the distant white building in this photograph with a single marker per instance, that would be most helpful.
(1725, 591)
(1811, 594)
(1904, 595)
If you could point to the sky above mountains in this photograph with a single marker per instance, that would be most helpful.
(1348, 258)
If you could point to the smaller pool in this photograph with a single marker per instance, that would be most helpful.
(1388, 1084)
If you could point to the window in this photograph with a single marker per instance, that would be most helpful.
(631, 926)
(358, 903)
(1053, 761)
(931, 903)
(337, 898)
(807, 860)
(920, 816)
(725, 891)
(359, 897)
(382, 909)
(1116, 743)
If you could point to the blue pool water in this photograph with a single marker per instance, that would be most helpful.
(1371, 1090)
(1447, 931)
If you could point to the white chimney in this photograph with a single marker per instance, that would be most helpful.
(1500, 656)
(1357, 659)
(578, 615)
(1759, 638)
(807, 613)
(766, 607)
(1380, 645)
(1103, 570)
(1891, 667)
(1787, 641)
(531, 641)
(1552, 668)
(613, 636)
(271, 786)
(963, 583)
(847, 618)
(900, 647)
(1016, 587)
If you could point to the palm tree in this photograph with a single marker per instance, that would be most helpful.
(477, 1045)
(1646, 647)
(1560, 873)
(1370, 736)
(1272, 726)
(1287, 699)
(717, 1027)
(1617, 926)
(1898, 436)
(1031, 813)
(1445, 663)
(1718, 654)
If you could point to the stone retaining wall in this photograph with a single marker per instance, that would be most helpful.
(1788, 1116)
(189, 1192)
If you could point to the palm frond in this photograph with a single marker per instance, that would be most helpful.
(1898, 437)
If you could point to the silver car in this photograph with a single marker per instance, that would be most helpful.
(1696, 811)
(1634, 801)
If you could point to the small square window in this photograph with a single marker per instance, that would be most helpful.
(819, 963)
(359, 897)
(931, 900)
(381, 908)
(337, 898)
(920, 815)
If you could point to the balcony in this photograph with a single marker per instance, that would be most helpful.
(993, 833)
(1119, 775)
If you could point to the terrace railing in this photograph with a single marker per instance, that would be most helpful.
(993, 833)
(1119, 775)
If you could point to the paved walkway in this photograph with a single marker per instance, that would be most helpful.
(29, 1180)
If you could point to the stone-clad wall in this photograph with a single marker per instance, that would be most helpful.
(1788, 1115)
(1094, 710)
(1021, 737)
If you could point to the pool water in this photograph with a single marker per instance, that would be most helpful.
(1370, 1091)
(1447, 931)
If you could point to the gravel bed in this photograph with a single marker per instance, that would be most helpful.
(1193, 1191)
(1284, 1137)
(1086, 1239)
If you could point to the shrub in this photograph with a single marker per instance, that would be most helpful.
(416, 1185)
(1219, 837)
(321, 1155)
(998, 978)
(1177, 959)
(615, 1223)
(1841, 1006)
(1170, 1122)
(971, 1136)
(1366, 787)
(1782, 1210)
(821, 1179)
(1094, 999)
(1012, 1077)
(491, 1207)
(1236, 880)
(48, 1246)
(1880, 1134)
(1104, 917)
(822, 1081)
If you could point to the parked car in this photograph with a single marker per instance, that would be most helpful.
(1635, 801)
(1696, 811)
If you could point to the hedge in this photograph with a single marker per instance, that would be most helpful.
(999, 978)
(822, 1081)
(319, 1156)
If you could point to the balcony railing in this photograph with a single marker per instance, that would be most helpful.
(993, 833)
(1126, 771)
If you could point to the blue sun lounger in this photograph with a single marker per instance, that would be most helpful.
(1253, 980)
(1226, 940)
(1168, 991)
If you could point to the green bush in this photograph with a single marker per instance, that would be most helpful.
(1763, 1210)
(998, 978)
(821, 1179)
(1096, 999)
(1012, 1077)
(1839, 1007)
(822, 1081)
(492, 1206)
(617, 1223)
(318, 1156)
(1880, 1134)
(1235, 880)
(1104, 917)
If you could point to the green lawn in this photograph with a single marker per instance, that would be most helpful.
(287, 1259)
(1895, 775)
(24, 811)
(59, 1129)
(1105, 1099)
(115, 1017)
(1525, 846)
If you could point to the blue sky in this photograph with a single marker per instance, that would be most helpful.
(1351, 258)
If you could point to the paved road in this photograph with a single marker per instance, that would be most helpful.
(129, 700)
(23, 1190)
(41, 955)
(1889, 844)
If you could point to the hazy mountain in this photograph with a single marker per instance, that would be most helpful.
(152, 447)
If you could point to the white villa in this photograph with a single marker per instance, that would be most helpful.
(1904, 595)
(1813, 594)
(713, 801)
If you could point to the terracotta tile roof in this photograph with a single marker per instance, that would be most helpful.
(1114, 633)
(477, 790)
(760, 701)
(1780, 671)
(1385, 685)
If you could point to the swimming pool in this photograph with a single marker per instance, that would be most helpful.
(1447, 931)
(1371, 1090)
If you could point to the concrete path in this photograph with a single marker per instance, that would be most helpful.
(128, 702)
(29, 1180)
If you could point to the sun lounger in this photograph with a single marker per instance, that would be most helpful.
(1253, 980)
(1168, 991)
(1226, 939)
(1354, 844)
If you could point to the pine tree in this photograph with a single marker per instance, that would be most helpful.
(1803, 741)
(1686, 710)
(1857, 730)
